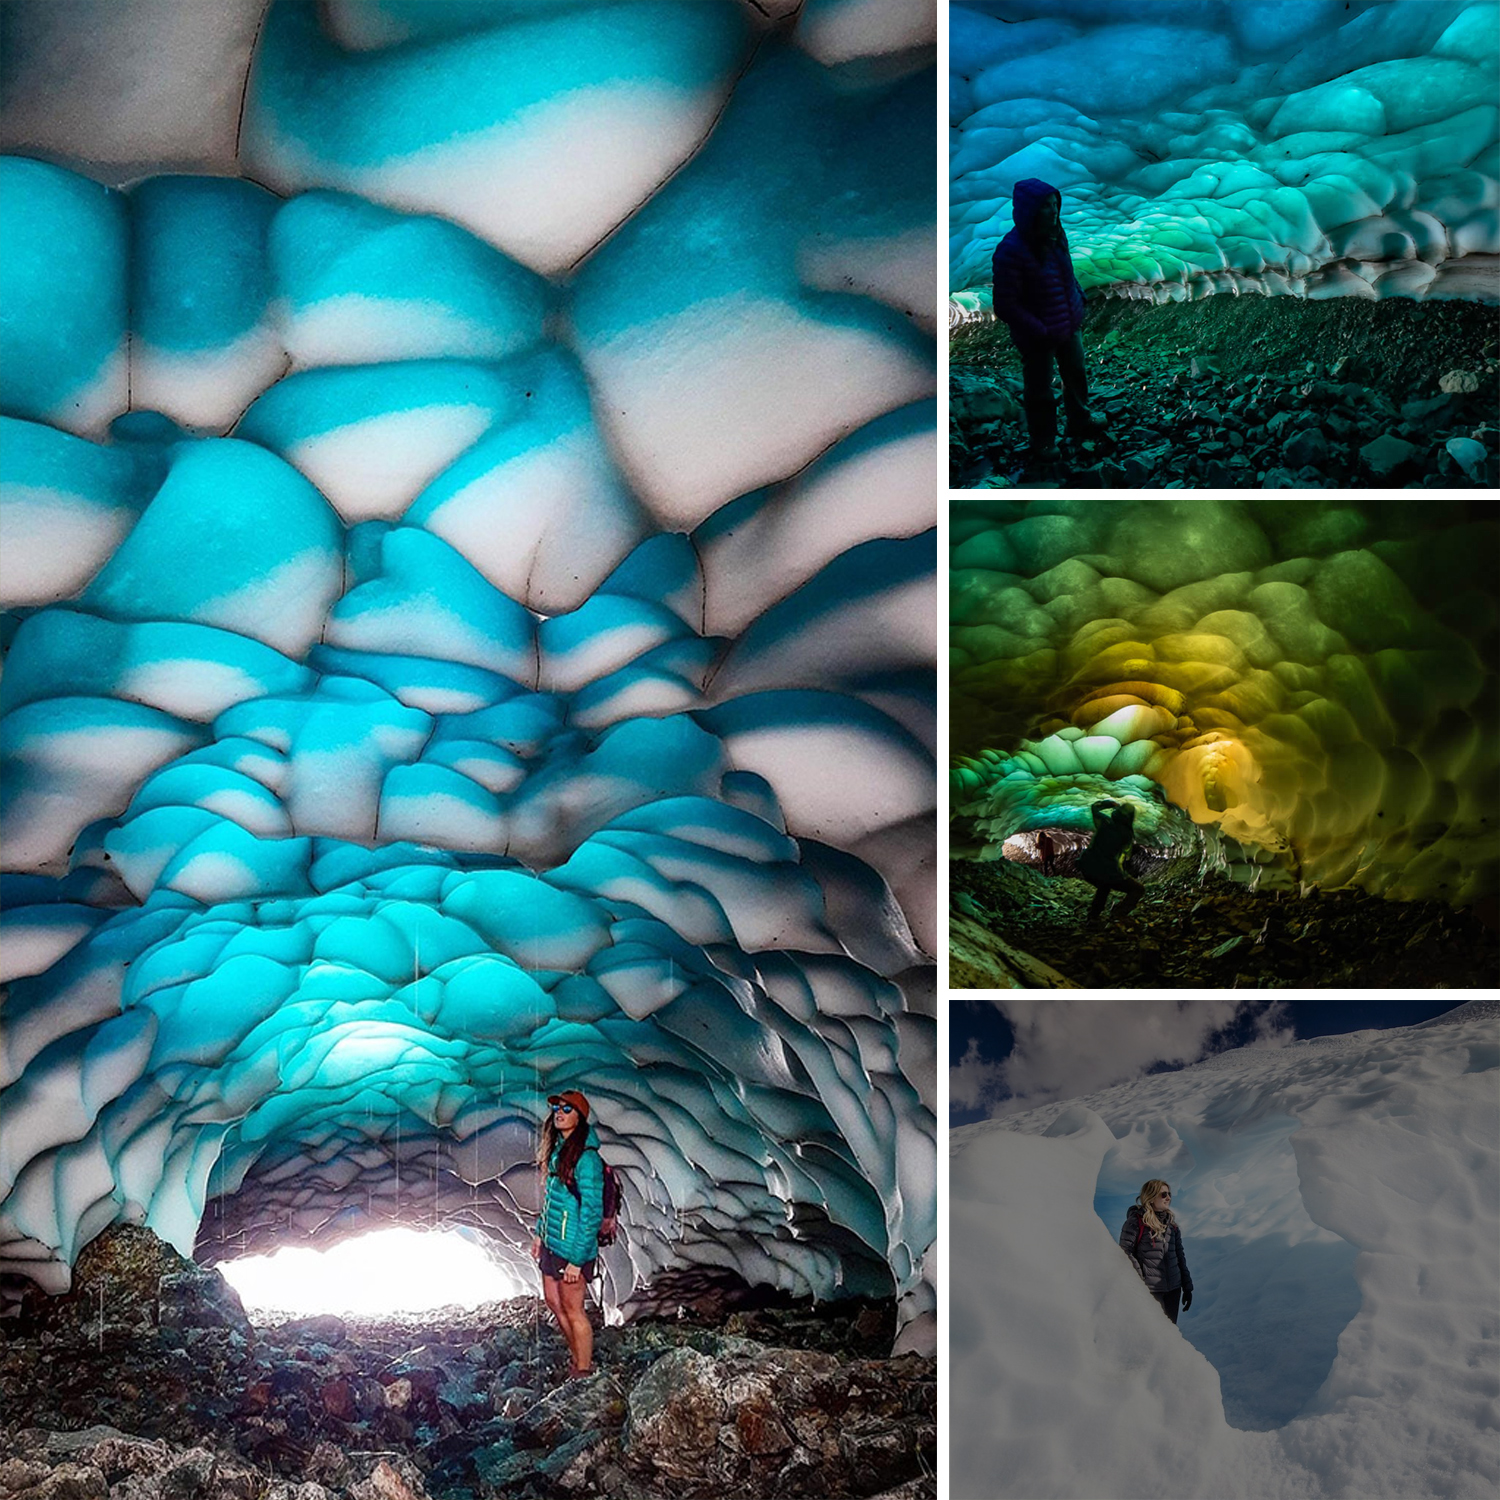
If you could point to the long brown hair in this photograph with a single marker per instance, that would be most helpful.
(566, 1165)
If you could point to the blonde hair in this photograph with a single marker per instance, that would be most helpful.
(1157, 1225)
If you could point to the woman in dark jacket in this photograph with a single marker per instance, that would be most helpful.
(566, 1241)
(1038, 296)
(1153, 1241)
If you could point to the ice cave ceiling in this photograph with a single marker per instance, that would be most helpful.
(1313, 683)
(469, 587)
(1314, 148)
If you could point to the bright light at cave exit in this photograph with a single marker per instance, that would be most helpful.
(389, 1271)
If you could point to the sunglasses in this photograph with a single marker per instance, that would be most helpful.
(563, 1109)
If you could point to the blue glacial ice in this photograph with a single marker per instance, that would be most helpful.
(1307, 148)
(469, 618)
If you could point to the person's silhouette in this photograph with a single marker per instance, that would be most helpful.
(1102, 864)
(1046, 848)
(1037, 295)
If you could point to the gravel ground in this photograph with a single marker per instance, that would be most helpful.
(1248, 392)
(1218, 934)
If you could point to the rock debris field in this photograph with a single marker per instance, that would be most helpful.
(174, 1395)
(1013, 927)
(1247, 392)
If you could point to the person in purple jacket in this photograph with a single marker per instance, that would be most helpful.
(1038, 296)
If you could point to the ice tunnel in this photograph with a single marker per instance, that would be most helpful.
(1305, 148)
(468, 541)
(1297, 695)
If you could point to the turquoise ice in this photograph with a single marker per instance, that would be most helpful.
(1307, 148)
(468, 588)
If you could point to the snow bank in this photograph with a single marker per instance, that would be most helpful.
(1353, 1177)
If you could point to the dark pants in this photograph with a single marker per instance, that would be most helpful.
(1170, 1301)
(1133, 889)
(1036, 376)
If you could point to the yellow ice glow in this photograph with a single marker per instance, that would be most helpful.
(390, 1271)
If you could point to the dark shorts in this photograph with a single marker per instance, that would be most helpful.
(554, 1266)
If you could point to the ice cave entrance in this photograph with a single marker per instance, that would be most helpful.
(1272, 1290)
(387, 1272)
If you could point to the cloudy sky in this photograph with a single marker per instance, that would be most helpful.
(1012, 1055)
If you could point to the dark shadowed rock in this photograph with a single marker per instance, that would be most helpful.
(198, 1298)
(1308, 447)
(1386, 455)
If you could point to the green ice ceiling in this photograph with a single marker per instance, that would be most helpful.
(1312, 148)
(1311, 683)
(469, 615)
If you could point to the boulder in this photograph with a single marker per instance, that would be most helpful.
(196, 1297)
(1459, 382)
(1467, 454)
(1386, 455)
(676, 1410)
(1308, 447)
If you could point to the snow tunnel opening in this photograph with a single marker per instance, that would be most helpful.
(387, 1272)
(1272, 1290)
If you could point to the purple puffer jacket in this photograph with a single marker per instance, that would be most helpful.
(1036, 292)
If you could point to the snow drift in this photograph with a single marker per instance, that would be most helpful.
(1346, 1181)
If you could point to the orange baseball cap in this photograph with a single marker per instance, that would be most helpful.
(573, 1097)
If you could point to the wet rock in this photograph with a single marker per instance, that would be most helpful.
(596, 1404)
(1309, 446)
(195, 1297)
(71, 1481)
(1386, 455)
(322, 1328)
(1467, 454)
(390, 1479)
(675, 1414)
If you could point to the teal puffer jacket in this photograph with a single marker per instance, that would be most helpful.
(569, 1226)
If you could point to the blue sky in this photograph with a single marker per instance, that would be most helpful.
(1005, 1052)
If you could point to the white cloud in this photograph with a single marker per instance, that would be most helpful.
(1065, 1048)
(974, 1083)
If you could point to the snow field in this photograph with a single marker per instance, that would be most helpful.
(1068, 1382)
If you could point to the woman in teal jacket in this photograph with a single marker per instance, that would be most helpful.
(566, 1241)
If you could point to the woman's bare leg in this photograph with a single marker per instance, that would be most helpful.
(577, 1329)
(553, 1298)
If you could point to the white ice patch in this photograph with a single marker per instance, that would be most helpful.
(33, 938)
(545, 186)
(897, 270)
(52, 542)
(284, 609)
(546, 527)
(740, 391)
(845, 499)
(354, 329)
(836, 783)
(838, 31)
(206, 389)
(145, 82)
(374, 469)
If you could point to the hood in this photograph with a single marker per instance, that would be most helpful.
(1028, 196)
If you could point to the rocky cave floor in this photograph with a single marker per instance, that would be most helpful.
(1011, 927)
(1247, 392)
(177, 1397)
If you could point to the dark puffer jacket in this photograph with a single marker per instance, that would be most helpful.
(1163, 1265)
(1036, 292)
